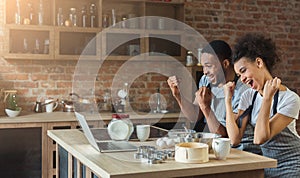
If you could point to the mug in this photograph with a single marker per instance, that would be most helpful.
(143, 132)
(221, 147)
(51, 106)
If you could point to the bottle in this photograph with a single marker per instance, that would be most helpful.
(36, 49)
(41, 13)
(199, 56)
(158, 101)
(46, 46)
(30, 14)
(18, 13)
(105, 21)
(73, 16)
(60, 17)
(93, 21)
(106, 101)
(189, 59)
(126, 98)
(25, 46)
(83, 17)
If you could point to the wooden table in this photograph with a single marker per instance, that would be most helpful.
(238, 164)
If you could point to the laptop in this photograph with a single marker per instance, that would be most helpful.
(100, 139)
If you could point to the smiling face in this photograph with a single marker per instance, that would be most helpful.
(212, 68)
(253, 74)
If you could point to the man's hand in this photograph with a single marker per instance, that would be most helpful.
(173, 83)
(203, 97)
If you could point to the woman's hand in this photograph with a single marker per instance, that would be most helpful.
(270, 88)
(228, 90)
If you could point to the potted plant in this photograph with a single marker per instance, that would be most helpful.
(11, 108)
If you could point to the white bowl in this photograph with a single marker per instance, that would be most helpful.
(12, 113)
(191, 152)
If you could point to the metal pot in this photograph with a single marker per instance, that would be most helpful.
(68, 106)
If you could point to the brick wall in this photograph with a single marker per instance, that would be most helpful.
(214, 19)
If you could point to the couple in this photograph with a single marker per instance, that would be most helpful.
(254, 110)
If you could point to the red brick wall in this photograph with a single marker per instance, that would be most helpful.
(214, 19)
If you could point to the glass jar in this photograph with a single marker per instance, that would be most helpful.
(73, 16)
(120, 127)
(93, 15)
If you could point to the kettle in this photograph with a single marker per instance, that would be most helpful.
(38, 107)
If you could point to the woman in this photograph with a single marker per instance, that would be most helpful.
(270, 107)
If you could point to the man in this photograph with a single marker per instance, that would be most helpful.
(209, 100)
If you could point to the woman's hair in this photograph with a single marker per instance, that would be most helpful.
(219, 48)
(254, 45)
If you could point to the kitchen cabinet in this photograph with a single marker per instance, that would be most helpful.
(34, 29)
(27, 148)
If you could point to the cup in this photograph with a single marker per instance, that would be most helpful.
(51, 106)
(143, 132)
(221, 147)
(161, 24)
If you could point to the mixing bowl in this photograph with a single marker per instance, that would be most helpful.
(205, 137)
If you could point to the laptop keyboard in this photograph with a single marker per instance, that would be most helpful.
(115, 146)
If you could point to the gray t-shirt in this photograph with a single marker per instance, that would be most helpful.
(218, 100)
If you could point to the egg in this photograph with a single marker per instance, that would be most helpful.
(170, 142)
(159, 140)
(162, 144)
(165, 138)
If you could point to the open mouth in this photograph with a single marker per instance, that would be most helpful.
(250, 83)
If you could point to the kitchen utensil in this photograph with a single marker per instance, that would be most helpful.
(68, 106)
(191, 152)
(181, 135)
(38, 107)
(205, 137)
(51, 105)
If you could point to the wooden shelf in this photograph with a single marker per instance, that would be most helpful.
(73, 43)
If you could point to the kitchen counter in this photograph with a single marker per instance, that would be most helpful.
(237, 164)
(105, 116)
(40, 123)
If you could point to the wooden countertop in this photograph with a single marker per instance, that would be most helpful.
(113, 164)
(69, 116)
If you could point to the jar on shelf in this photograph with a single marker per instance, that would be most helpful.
(120, 127)
(83, 16)
(73, 17)
(60, 17)
(93, 15)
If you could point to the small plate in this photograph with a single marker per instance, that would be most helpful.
(164, 111)
(118, 130)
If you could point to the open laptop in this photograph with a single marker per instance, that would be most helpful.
(100, 139)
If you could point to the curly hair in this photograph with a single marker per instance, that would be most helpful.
(254, 45)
